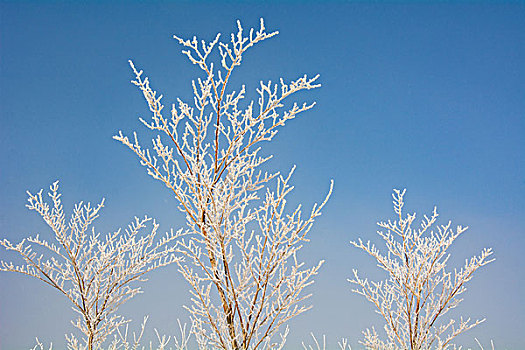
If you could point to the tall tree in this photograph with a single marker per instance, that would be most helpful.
(241, 252)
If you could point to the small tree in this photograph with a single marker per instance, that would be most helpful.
(97, 274)
(419, 290)
(241, 254)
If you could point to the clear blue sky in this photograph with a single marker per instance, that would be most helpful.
(429, 96)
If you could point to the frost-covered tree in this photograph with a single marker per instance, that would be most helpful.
(96, 273)
(241, 248)
(419, 290)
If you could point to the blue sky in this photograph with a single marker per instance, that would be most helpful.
(424, 96)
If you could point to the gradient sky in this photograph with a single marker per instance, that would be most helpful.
(428, 97)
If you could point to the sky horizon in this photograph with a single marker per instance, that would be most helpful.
(423, 96)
